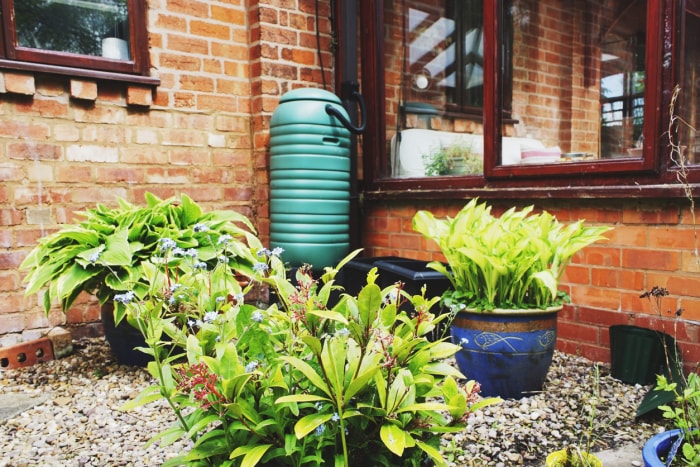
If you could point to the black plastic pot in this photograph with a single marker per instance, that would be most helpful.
(638, 354)
(123, 339)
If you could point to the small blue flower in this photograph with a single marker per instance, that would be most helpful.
(177, 251)
(220, 299)
(191, 253)
(260, 267)
(200, 265)
(174, 288)
(263, 252)
(320, 429)
(335, 417)
(224, 239)
(342, 332)
(200, 228)
(94, 257)
(191, 323)
(249, 368)
(464, 342)
(257, 317)
(124, 298)
(167, 244)
(210, 316)
(277, 251)
(239, 297)
(223, 259)
(319, 406)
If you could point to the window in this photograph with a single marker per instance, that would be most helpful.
(98, 35)
(574, 94)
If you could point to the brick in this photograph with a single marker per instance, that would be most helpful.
(39, 216)
(91, 153)
(19, 83)
(29, 150)
(83, 89)
(61, 342)
(139, 95)
(26, 354)
(664, 260)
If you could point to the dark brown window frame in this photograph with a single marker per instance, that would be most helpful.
(135, 70)
(649, 177)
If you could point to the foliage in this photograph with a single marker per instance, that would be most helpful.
(513, 261)
(301, 381)
(685, 412)
(454, 159)
(104, 253)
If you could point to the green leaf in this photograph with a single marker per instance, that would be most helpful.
(148, 395)
(309, 423)
(252, 454)
(433, 453)
(201, 424)
(424, 406)
(118, 250)
(328, 314)
(394, 438)
(333, 362)
(360, 382)
(300, 398)
(309, 372)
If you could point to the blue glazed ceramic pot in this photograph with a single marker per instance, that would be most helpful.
(508, 352)
(658, 447)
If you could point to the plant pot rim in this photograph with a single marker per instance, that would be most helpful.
(514, 311)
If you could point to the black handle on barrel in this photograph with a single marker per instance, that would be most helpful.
(330, 110)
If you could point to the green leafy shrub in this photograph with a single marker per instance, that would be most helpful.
(299, 382)
(104, 253)
(513, 261)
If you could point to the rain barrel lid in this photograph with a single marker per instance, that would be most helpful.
(308, 106)
(310, 94)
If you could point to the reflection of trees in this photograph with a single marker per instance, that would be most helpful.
(75, 26)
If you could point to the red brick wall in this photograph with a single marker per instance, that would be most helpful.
(66, 144)
(653, 243)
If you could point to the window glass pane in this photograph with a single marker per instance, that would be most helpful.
(434, 88)
(688, 105)
(86, 27)
(578, 74)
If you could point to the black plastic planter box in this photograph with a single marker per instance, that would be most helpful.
(415, 274)
(353, 276)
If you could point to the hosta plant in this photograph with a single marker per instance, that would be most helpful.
(104, 253)
(298, 382)
(513, 261)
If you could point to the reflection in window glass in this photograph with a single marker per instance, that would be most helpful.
(578, 81)
(434, 87)
(689, 97)
(85, 27)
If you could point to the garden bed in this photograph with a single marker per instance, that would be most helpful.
(80, 424)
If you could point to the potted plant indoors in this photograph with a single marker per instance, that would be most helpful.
(454, 159)
(504, 299)
(301, 381)
(104, 254)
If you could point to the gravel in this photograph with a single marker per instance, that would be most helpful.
(80, 423)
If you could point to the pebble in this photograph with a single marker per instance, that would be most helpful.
(80, 425)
